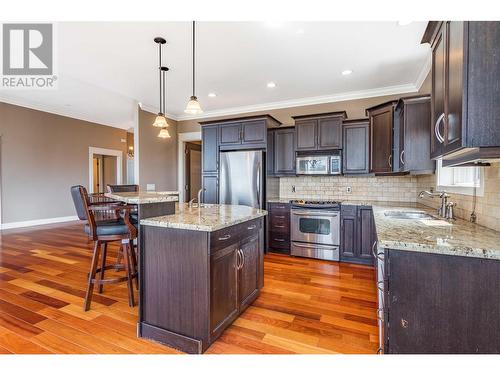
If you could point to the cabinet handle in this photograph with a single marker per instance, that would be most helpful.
(278, 240)
(381, 288)
(436, 128)
(280, 207)
(242, 258)
(238, 259)
(252, 227)
(279, 216)
(380, 351)
(390, 160)
(279, 226)
(401, 157)
(224, 238)
(380, 314)
(375, 254)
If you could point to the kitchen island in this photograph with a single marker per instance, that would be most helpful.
(200, 268)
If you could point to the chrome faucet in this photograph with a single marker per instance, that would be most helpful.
(199, 196)
(445, 210)
(191, 203)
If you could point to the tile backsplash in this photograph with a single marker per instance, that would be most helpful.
(487, 206)
(397, 189)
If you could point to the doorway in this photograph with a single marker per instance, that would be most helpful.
(189, 165)
(105, 167)
(192, 169)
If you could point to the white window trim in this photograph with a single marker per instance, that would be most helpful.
(464, 190)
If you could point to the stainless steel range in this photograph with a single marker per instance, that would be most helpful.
(315, 229)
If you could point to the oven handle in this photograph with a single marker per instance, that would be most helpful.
(314, 246)
(314, 213)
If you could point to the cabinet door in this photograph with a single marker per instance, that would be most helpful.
(381, 139)
(230, 134)
(307, 135)
(270, 153)
(348, 237)
(356, 148)
(254, 132)
(223, 288)
(210, 185)
(366, 228)
(249, 272)
(210, 150)
(454, 86)
(329, 133)
(284, 152)
(438, 94)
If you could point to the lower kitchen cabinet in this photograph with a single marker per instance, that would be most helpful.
(357, 233)
(279, 227)
(434, 303)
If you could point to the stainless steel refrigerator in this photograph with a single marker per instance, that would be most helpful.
(242, 178)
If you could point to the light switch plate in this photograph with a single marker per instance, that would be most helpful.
(151, 187)
(349, 190)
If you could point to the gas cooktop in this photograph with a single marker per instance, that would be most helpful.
(300, 203)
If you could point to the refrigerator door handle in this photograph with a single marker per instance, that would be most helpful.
(258, 185)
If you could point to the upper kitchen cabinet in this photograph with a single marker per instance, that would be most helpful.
(281, 152)
(319, 132)
(381, 137)
(210, 149)
(244, 133)
(412, 120)
(465, 91)
(356, 148)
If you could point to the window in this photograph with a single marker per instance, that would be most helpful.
(461, 180)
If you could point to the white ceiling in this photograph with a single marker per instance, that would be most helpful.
(105, 68)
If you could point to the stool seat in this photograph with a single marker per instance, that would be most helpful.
(109, 227)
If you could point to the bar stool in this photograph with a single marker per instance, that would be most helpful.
(117, 228)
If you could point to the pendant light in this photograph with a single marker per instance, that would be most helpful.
(193, 107)
(160, 120)
(164, 132)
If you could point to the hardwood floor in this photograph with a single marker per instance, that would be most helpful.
(306, 306)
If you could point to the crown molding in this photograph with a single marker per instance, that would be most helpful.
(154, 110)
(60, 111)
(383, 91)
(424, 72)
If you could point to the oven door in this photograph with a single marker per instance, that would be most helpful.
(316, 226)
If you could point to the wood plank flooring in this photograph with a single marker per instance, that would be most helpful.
(306, 306)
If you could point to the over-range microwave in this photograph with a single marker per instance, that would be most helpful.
(318, 165)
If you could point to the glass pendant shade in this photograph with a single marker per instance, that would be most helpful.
(164, 133)
(193, 107)
(160, 121)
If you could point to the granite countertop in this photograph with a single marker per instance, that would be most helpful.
(144, 197)
(208, 218)
(461, 238)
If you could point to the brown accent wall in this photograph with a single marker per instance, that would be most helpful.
(157, 156)
(43, 154)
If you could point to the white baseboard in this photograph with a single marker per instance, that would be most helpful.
(31, 223)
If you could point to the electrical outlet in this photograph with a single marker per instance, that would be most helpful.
(151, 187)
(349, 190)
(293, 188)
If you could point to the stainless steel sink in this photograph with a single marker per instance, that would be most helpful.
(409, 215)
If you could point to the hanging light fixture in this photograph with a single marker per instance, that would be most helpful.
(160, 120)
(164, 132)
(193, 107)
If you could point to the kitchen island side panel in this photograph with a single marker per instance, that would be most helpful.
(175, 288)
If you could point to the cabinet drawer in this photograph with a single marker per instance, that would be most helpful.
(279, 208)
(279, 241)
(349, 210)
(249, 228)
(223, 238)
(279, 225)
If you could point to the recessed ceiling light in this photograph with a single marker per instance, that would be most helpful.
(404, 23)
(212, 94)
(300, 31)
(346, 72)
(271, 85)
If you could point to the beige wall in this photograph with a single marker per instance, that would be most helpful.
(487, 206)
(43, 154)
(157, 156)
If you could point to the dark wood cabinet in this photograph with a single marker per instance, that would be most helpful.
(196, 283)
(284, 152)
(319, 132)
(444, 304)
(210, 149)
(381, 137)
(465, 96)
(210, 186)
(253, 132)
(279, 227)
(356, 148)
(230, 134)
(224, 301)
(357, 233)
(411, 135)
(270, 153)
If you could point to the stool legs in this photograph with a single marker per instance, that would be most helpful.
(129, 269)
(90, 284)
(103, 264)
